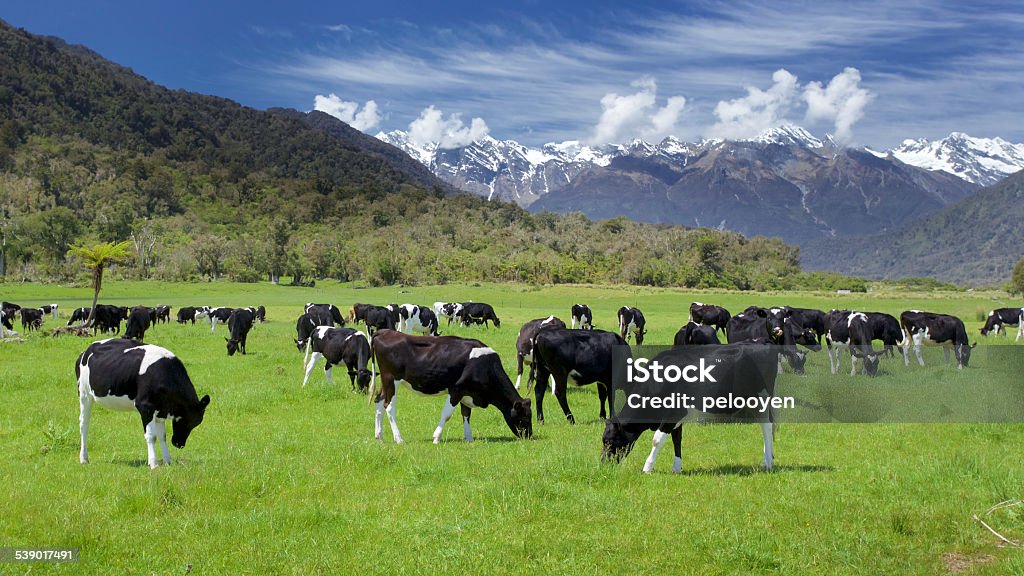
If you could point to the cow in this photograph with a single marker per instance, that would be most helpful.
(9, 311)
(188, 314)
(419, 319)
(942, 329)
(631, 321)
(466, 370)
(810, 319)
(239, 324)
(774, 326)
(861, 334)
(139, 320)
(122, 375)
(163, 313)
(449, 310)
(107, 318)
(51, 309)
(885, 327)
(585, 356)
(261, 314)
(694, 334)
(379, 318)
(31, 318)
(337, 346)
(330, 309)
(219, 315)
(357, 312)
(524, 343)
(79, 315)
(1000, 318)
(741, 370)
(582, 315)
(478, 313)
(710, 315)
(837, 331)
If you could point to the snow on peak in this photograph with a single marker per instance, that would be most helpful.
(983, 161)
(788, 134)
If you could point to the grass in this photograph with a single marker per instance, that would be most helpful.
(281, 479)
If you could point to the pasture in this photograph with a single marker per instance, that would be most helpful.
(281, 479)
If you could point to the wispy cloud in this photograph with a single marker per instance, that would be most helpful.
(365, 119)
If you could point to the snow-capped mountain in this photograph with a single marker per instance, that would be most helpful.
(983, 161)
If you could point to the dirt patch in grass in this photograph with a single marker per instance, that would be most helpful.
(963, 563)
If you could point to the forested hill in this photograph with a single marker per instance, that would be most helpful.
(55, 89)
(90, 151)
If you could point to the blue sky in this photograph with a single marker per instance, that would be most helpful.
(871, 73)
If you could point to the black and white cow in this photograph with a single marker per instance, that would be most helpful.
(79, 315)
(124, 375)
(330, 309)
(163, 313)
(861, 334)
(239, 324)
(742, 370)
(418, 319)
(585, 356)
(219, 315)
(631, 321)
(337, 346)
(694, 334)
(775, 326)
(582, 315)
(524, 343)
(187, 314)
(357, 312)
(31, 318)
(810, 318)
(1000, 318)
(939, 329)
(710, 314)
(466, 370)
(261, 314)
(51, 309)
(379, 318)
(449, 310)
(139, 320)
(478, 313)
(837, 331)
(885, 327)
(108, 318)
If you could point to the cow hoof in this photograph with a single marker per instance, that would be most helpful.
(83, 460)
(154, 466)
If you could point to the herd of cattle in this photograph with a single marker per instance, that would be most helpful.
(126, 374)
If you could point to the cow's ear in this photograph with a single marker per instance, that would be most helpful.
(205, 401)
(762, 312)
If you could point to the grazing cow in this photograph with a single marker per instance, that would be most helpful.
(941, 329)
(837, 331)
(219, 315)
(123, 375)
(139, 320)
(885, 327)
(330, 309)
(357, 312)
(379, 318)
(631, 321)
(107, 318)
(261, 314)
(337, 346)
(741, 370)
(478, 313)
(188, 314)
(582, 315)
(861, 334)
(79, 315)
(467, 370)
(1000, 318)
(239, 324)
(694, 334)
(449, 310)
(163, 313)
(9, 311)
(50, 309)
(710, 315)
(524, 344)
(419, 319)
(774, 326)
(810, 319)
(31, 318)
(585, 356)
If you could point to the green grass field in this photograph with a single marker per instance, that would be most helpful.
(281, 479)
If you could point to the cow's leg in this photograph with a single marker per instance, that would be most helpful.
(917, 348)
(213, 322)
(573, 322)
(466, 432)
(540, 386)
(830, 350)
(150, 432)
(778, 365)
(387, 389)
(327, 372)
(853, 362)
(659, 438)
(85, 402)
(392, 411)
(1020, 330)
(446, 413)
(677, 448)
(561, 387)
(309, 366)
(945, 353)
(602, 397)
(161, 435)
(768, 431)
(519, 369)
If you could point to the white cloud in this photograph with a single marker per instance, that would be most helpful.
(758, 111)
(842, 102)
(450, 132)
(637, 115)
(348, 112)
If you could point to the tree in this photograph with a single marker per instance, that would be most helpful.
(1017, 278)
(98, 257)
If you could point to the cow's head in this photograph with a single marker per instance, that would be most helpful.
(301, 344)
(963, 354)
(185, 423)
(233, 346)
(497, 323)
(618, 439)
(363, 378)
(796, 359)
(520, 418)
(777, 320)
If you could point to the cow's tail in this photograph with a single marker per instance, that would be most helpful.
(365, 360)
(305, 355)
(373, 377)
